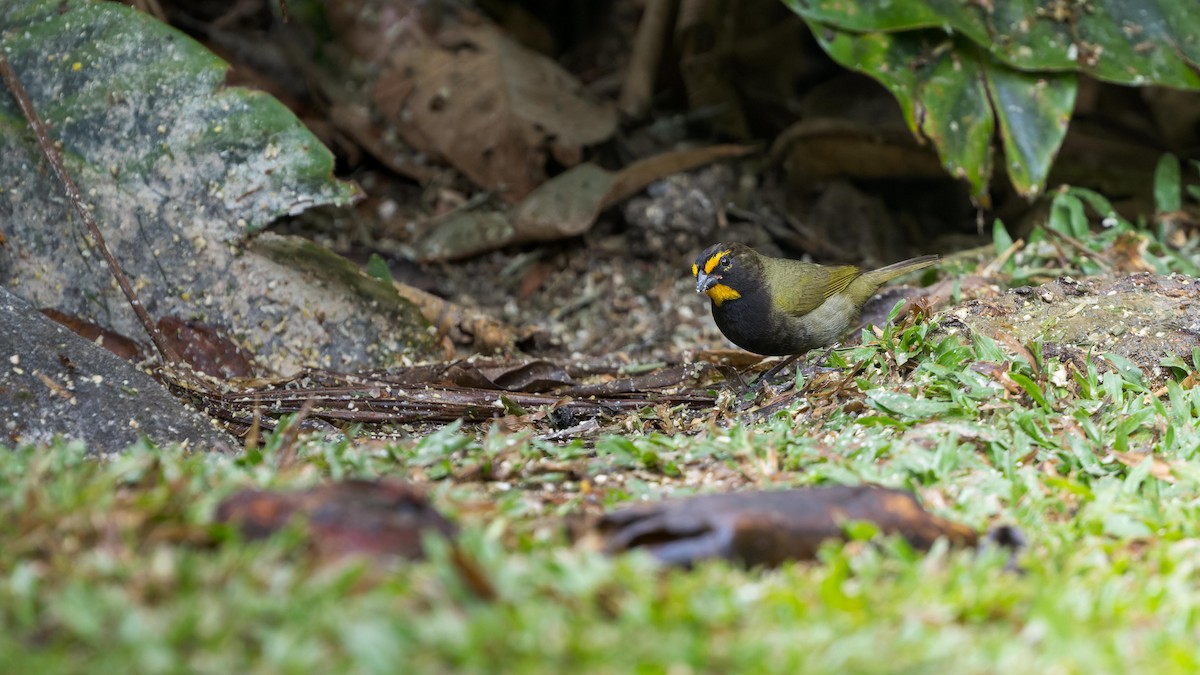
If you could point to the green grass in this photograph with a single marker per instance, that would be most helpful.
(117, 566)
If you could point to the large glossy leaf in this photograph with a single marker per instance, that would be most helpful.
(952, 94)
(1033, 111)
(1027, 53)
(1123, 41)
(177, 169)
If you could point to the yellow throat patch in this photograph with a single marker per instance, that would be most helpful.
(720, 293)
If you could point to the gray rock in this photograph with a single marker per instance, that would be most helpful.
(55, 383)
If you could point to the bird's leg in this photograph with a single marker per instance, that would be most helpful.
(731, 374)
(824, 357)
(808, 369)
(770, 374)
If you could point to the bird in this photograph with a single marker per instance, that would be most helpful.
(782, 307)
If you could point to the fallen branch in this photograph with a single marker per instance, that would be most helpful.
(444, 394)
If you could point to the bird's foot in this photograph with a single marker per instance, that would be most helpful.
(807, 371)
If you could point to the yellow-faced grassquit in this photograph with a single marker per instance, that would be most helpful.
(779, 307)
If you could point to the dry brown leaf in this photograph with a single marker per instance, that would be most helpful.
(564, 206)
(737, 358)
(493, 109)
(355, 121)
(1015, 347)
(770, 527)
(534, 279)
(381, 519)
(633, 178)
(1158, 468)
(998, 372)
(534, 376)
(1128, 253)
(114, 342)
(207, 348)
(819, 149)
(459, 324)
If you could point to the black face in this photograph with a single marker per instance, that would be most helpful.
(706, 270)
(719, 269)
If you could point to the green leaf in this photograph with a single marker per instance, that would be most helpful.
(1003, 241)
(377, 268)
(1129, 425)
(1033, 110)
(936, 58)
(953, 98)
(1035, 392)
(1128, 370)
(943, 98)
(907, 406)
(1178, 366)
(892, 16)
(1167, 196)
(986, 349)
(860, 530)
(511, 407)
(1067, 216)
(1122, 526)
(1133, 43)
(1102, 206)
(440, 444)
(878, 421)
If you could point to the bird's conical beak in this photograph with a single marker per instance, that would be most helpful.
(706, 281)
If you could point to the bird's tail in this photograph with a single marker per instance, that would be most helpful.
(886, 274)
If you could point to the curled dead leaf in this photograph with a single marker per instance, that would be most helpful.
(460, 324)
(378, 519)
(770, 527)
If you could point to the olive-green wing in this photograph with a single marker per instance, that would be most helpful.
(799, 287)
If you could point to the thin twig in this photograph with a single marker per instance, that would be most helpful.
(56, 163)
(993, 267)
(289, 443)
(1080, 248)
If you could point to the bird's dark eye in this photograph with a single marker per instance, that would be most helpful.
(726, 263)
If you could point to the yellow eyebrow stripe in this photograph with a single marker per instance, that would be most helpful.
(695, 270)
(711, 263)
